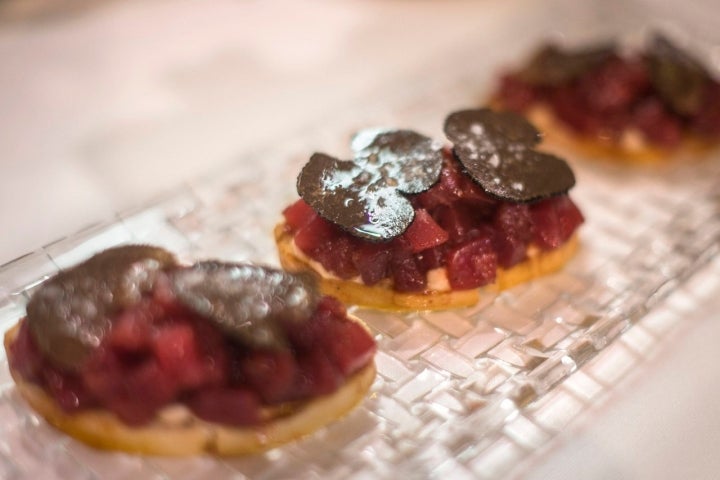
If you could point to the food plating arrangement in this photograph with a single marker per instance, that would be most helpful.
(410, 306)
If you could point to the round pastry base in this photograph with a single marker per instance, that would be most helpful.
(631, 148)
(177, 432)
(382, 296)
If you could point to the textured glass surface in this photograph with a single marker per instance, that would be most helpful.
(460, 394)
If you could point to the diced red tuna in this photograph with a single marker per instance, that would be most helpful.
(424, 232)
(554, 221)
(472, 264)
(298, 215)
(236, 407)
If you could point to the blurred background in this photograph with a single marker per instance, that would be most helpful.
(105, 104)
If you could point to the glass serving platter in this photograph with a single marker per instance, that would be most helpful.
(467, 393)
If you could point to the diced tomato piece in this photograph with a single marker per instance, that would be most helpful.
(472, 264)
(298, 215)
(424, 232)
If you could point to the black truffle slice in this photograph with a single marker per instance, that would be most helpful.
(496, 149)
(248, 302)
(551, 66)
(70, 314)
(365, 196)
(406, 159)
(678, 77)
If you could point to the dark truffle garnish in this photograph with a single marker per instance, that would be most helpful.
(678, 78)
(552, 66)
(366, 195)
(496, 149)
(71, 313)
(248, 302)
